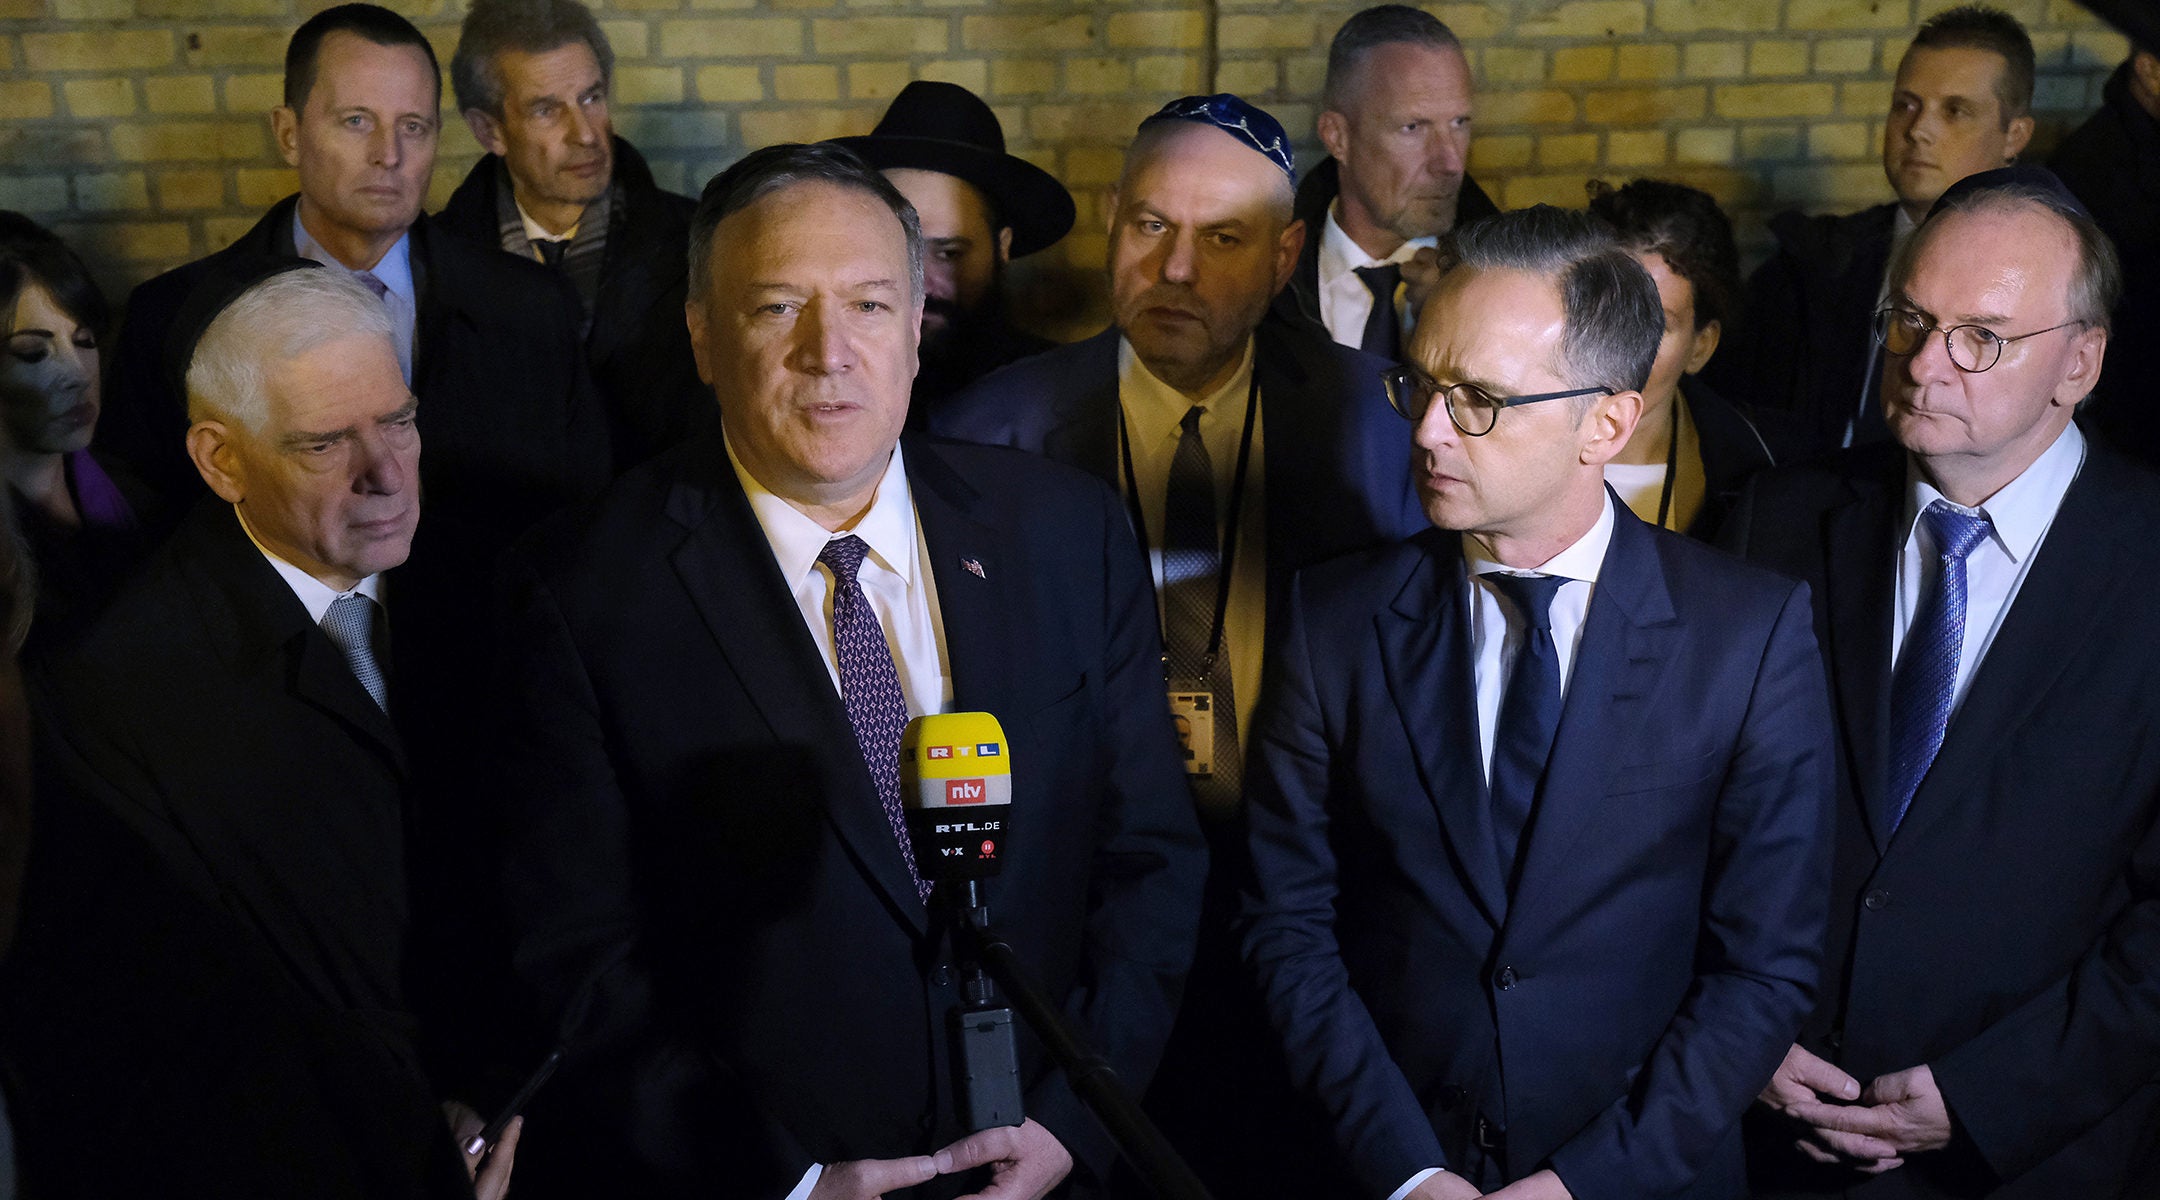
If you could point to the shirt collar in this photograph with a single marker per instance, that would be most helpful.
(536, 232)
(1339, 254)
(796, 540)
(2020, 512)
(1581, 560)
(395, 268)
(1154, 406)
(315, 595)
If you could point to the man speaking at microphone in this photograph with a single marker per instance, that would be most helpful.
(710, 674)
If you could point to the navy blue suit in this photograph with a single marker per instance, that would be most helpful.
(1337, 457)
(695, 839)
(1613, 1015)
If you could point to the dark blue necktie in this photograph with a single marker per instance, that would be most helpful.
(1192, 581)
(1925, 681)
(1383, 326)
(1529, 713)
(870, 687)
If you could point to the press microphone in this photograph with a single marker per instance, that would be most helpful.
(956, 785)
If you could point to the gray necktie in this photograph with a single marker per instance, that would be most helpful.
(351, 626)
(1192, 579)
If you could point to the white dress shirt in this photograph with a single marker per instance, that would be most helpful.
(394, 269)
(315, 595)
(895, 576)
(2020, 513)
(1496, 629)
(1153, 414)
(1345, 301)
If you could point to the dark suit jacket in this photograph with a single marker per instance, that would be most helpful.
(638, 344)
(1736, 441)
(2009, 936)
(1337, 457)
(222, 727)
(1618, 1011)
(1299, 303)
(697, 842)
(1804, 343)
(509, 424)
(2112, 163)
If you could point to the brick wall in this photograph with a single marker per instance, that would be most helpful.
(138, 126)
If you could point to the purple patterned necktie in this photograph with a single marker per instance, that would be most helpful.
(870, 687)
(373, 284)
(1925, 681)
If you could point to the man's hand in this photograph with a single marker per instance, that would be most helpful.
(1025, 1161)
(492, 1180)
(1447, 1185)
(869, 1178)
(1900, 1113)
(1542, 1186)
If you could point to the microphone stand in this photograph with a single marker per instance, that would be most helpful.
(1091, 1076)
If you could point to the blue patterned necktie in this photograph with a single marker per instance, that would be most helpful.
(351, 626)
(1383, 326)
(1529, 713)
(1192, 579)
(373, 284)
(1925, 681)
(870, 688)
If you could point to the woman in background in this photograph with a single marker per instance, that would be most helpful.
(82, 531)
(1693, 448)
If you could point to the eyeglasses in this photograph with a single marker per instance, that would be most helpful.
(1973, 348)
(1411, 391)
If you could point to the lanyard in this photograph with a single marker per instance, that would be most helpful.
(1227, 557)
(1672, 460)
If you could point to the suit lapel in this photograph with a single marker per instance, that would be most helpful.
(1860, 576)
(2060, 606)
(1425, 654)
(970, 567)
(727, 567)
(1627, 641)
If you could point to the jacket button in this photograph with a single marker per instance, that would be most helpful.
(1876, 900)
(941, 976)
(1505, 979)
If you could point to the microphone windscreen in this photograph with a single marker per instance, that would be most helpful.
(956, 782)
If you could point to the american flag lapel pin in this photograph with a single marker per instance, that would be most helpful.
(973, 566)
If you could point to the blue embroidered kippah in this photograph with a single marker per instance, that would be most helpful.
(1241, 120)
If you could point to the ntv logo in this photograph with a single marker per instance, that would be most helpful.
(964, 791)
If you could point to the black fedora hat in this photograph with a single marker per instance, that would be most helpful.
(946, 128)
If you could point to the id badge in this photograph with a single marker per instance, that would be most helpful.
(1193, 713)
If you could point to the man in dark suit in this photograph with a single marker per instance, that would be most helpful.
(558, 187)
(1277, 448)
(1962, 103)
(513, 428)
(235, 707)
(703, 716)
(2112, 163)
(1395, 119)
(1990, 1024)
(1539, 804)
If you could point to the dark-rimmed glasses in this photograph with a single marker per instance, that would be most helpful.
(1474, 411)
(1973, 348)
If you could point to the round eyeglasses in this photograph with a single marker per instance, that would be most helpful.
(1973, 348)
(1474, 411)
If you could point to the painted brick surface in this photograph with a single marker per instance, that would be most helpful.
(139, 127)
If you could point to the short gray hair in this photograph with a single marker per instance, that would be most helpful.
(2095, 286)
(1614, 320)
(1367, 31)
(760, 173)
(274, 321)
(526, 26)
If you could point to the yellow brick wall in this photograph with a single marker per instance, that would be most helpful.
(138, 126)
